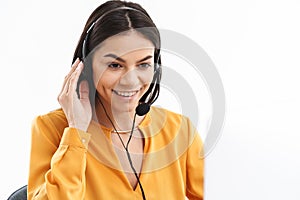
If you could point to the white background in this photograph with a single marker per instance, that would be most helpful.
(255, 45)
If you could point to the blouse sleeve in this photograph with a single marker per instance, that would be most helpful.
(57, 163)
(195, 169)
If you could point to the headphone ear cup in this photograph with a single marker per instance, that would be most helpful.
(157, 68)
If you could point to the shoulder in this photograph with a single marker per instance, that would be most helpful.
(56, 116)
(53, 121)
(171, 129)
(163, 111)
(168, 116)
(171, 123)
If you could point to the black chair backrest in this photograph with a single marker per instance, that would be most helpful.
(19, 194)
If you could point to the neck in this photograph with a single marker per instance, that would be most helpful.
(122, 121)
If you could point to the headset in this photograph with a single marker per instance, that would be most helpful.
(157, 62)
(142, 108)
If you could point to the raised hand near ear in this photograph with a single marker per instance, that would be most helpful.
(78, 111)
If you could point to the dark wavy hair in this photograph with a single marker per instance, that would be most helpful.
(112, 23)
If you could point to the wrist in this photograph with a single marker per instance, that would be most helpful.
(80, 127)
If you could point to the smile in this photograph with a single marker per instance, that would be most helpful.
(125, 93)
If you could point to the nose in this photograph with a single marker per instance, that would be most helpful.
(130, 78)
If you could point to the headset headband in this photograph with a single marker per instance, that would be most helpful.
(95, 22)
(157, 68)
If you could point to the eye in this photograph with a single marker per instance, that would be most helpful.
(145, 65)
(114, 65)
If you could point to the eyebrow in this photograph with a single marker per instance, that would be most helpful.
(122, 60)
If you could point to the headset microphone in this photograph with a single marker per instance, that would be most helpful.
(142, 109)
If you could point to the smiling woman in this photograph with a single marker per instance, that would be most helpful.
(105, 142)
(122, 72)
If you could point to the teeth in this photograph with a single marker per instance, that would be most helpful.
(125, 94)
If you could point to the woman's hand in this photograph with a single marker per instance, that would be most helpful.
(78, 111)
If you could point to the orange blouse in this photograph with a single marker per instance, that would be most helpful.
(67, 163)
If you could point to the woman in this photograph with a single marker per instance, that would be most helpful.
(104, 143)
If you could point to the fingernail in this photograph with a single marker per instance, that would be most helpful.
(79, 66)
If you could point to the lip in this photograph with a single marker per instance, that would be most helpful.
(126, 93)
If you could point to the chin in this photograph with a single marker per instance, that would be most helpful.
(124, 108)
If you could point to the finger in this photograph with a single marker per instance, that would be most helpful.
(64, 91)
(84, 90)
(74, 66)
(74, 79)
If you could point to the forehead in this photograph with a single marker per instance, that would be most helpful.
(125, 43)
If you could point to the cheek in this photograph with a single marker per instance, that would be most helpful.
(98, 75)
(146, 78)
(106, 81)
